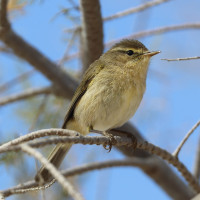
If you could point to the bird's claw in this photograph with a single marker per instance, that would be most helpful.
(112, 141)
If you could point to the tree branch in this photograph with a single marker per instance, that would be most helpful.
(152, 149)
(53, 171)
(176, 152)
(37, 134)
(25, 51)
(30, 186)
(197, 162)
(3, 15)
(157, 31)
(179, 59)
(92, 32)
(126, 12)
(135, 9)
(24, 95)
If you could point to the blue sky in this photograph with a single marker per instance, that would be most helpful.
(169, 108)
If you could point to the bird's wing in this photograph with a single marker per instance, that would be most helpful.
(91, 72)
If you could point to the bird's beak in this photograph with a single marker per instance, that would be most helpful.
(151, 53)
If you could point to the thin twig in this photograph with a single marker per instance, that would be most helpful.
(179, 59)
(176, 152)
(25, 94)
(126, 12)
(157, 31)
(147, 33)
(135, 9)
(53, 171)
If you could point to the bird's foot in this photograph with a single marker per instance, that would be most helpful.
(112, 141)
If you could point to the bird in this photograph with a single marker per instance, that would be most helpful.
(108, 96)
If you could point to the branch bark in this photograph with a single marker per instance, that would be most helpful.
(54, 172)
(120, 141)
(25, 51)
(92, 32)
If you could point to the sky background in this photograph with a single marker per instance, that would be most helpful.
(170, 106)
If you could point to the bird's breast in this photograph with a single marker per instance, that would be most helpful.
(109, 102)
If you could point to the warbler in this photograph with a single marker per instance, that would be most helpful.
(108, 96)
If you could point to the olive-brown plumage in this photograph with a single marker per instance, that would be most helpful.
(108, 96)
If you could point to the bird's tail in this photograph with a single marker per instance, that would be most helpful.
(55, 158)
(59, 152)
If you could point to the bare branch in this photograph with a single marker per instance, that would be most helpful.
(147, 33)
(157, 31)
(26, 187)
(3, 14)
(25, 51)
(30, 186)
(126, 12)
(179, 59)
(53, 171)
(136, 162)
(120, 141)
(176, 152)
(92, 32)
(169, 181)
(38, 134)
(24, 95)
(134, 10)
(197, 162)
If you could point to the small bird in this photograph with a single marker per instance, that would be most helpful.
(108, 96)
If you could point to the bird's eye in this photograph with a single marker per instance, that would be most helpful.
(129, 52)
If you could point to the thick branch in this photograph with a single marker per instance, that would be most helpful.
(25, 51)
(197, 162)
(3, 14)
(92, 32)
(126, 12)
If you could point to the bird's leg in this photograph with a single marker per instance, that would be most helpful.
(112, 141)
